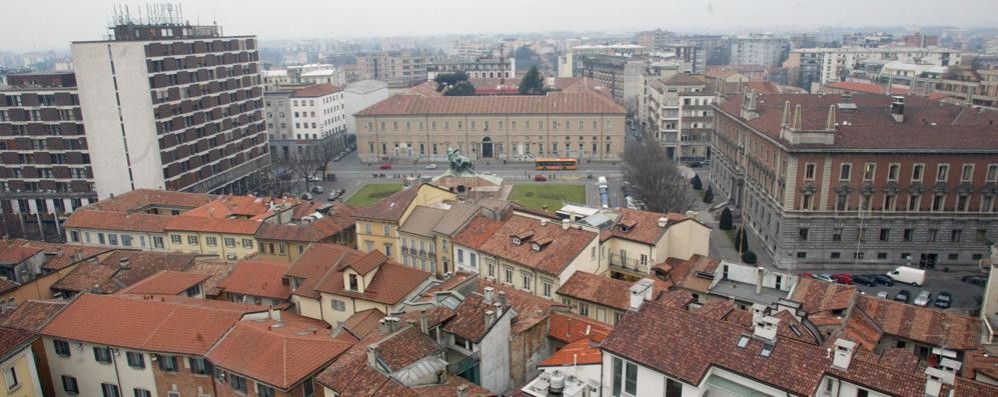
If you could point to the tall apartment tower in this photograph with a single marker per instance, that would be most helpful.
(169, 105)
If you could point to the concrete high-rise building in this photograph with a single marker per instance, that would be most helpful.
(169, 105)
(306, 122)
(759, 50)
(680, 116)
(655, 40)
(623, 77)
(397, 68)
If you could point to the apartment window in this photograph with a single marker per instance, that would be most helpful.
(937, 202)
(387, 229)
(211, 241)
(885, 234)
(980, 236)
(247, 243)
(141, 393)
(987, 203)
(135, 359)
(61, 347)
(917, 171)
(802, 233)
(354, 282)
(238, 383)
(109, 390)
(230, 242)
(869, 171)
(861, 235)
(167, 363)
(963, 203)
(931, 235)
(809, 171)
(806, 201)
(992, 175)
(841, 201)
(264, 391)
(583, 309)
(801, 254)
(908, 233)
(914, 202)
(953, 257)
(673, 388)
(845, 170)
(338, 305)
(192, 240)
(509, 275)
(527, 282)
(175, 239)
(893, 171)
(967, 173)
(942, 172)
(10, 378)
(625, 377)
(308, 388)
(112, 239)
(837, 234)
(955, 235)
(890, 202)
(547, 288)
(836, 255)
(199, 366)
(102, 355)
(69, 385)
(492, 270)
(865, 203)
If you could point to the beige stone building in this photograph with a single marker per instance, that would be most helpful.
(581, 125)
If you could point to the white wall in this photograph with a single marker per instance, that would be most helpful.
(356, 101)
(98, 103)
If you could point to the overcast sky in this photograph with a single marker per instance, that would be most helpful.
(52, 24)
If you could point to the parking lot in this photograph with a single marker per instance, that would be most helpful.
(966, 297)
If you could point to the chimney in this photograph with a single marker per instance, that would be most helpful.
(489, 291)
(498, 310)
(639, 292)
(393, 324)
(383, 327)
(765, 328)
(372, 356)
(123, 263)
(274, 314)
(796, 123)
(830, 123)
(785, 121)
(424, 323)
(565, 223)
(758, 312)
(462, 391)
(897, 108)
(935, 378)
(759, 274)
(544, 222)
(843, 353)
(663, 221)
(490, 317)
(502, 300)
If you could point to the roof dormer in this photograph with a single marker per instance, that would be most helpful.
(521, 237)
(626, 225)
(541, 243)
(353, 281)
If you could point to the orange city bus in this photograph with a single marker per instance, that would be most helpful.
(555, 164)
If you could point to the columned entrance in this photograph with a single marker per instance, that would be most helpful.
(487, 147)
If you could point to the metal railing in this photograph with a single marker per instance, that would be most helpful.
(616, 260)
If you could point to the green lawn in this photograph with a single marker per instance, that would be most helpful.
(370, 194)
(553, 195)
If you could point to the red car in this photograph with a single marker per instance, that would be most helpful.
(842, 278)
(540, 178)
(386, 166)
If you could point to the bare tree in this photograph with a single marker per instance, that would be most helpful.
(655, 179)
(288, 172)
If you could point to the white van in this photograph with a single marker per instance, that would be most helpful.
(908, 275)
(601, 181)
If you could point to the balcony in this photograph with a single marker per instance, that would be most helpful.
(628, 265)
(405, 250)
(422, 253)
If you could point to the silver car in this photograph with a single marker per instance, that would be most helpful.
(923, 298)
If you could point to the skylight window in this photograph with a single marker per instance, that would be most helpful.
(767, 350)
(743, 341)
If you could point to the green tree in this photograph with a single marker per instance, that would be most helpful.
(727, 221)
(749, 258)
(708, 196)
(445, 80)
(696, 182)
(741, 240)
(532, 83)
(461, 88)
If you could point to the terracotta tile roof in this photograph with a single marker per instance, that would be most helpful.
(696, 344)
(390, 208)
(565, 245)
(59, 256)
(552, 103)
(7, 285)
(12, 252)
(212, 225)
(434, 316)
(108, 276)
(677, 299)
(978, 361)
(257, 277)
(929, 326)
(642, 226)
(469, 318)
(337, 221)
(216, 272)
(456, 281)
(166, 282)
(862, 330)
(531, 309)
(370, 261)
(865, 88)
(362, 323)
(140, 199)
(390, 284)
(279, 353)
(13, 339)
(871, 127)
(317, 263)
(479, 230)
(569, 327)
(124, 221)
(580, 352)
(882, 379)
(790, 327)
(964, 387)
(602, 290)
(450, 387)
(820, 296)
(243, 207)
(762, 87)
(316, 90)
(716, 309)
(422, 220)
(684, 79)
(169, 325)
(406, 347)
(32, 315)
(900, 359)
(684, 273)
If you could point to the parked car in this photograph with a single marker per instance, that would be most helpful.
(312, 178)
(819, 276)
(862, 279)
(318, 189)
(386, 166)
(694, 164)
(540, 178)
(338, 157)
(334, 195)
(883, 279)
(903, 296)
(975, 279)
(944, 300)
(883, 294)
(306, 196)
(842, 278)
(431, 166)
(923, 298)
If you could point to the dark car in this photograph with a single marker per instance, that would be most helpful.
(944, 300)
(903, 296)
(884, 280)
(975, 279)
(862, 279)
